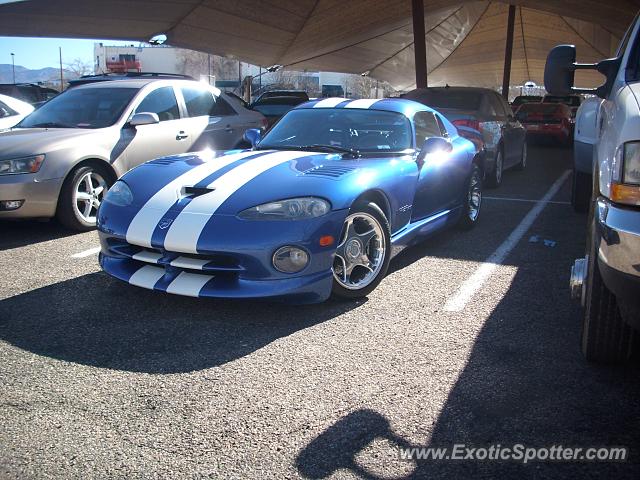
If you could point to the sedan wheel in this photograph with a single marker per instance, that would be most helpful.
(473, 199)
(362, 255)
(495, 179)
(89, 192)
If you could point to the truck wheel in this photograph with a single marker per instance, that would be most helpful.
(606, 338)
(581, 191)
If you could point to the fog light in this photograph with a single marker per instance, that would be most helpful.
(11, 204)
(290, 259)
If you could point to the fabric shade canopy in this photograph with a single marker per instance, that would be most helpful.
(465, 40)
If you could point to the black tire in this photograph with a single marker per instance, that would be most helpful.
(66, 213)
(606, 338)
(468, 220)
(374, 210)
(581, 190)
(522, 164)
(494, 178)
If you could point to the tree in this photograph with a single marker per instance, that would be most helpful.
(77, 68)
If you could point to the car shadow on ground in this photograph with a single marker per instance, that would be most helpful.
(99, 321)
(20, 233)
(525, 382)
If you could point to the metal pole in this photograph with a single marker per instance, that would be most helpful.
(13, 67)
(508, 52)
(61, 74)
(419, 43)
(209, 69)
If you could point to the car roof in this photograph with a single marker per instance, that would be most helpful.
(452, 89)
(140, 83)
(398, 105)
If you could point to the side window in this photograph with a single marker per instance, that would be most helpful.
(222, 108)
(199, 102)
(426, 127)
(496, 105)
(6, 111)
(162, 102)
(443, 129)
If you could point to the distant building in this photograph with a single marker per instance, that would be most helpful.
(225, 73)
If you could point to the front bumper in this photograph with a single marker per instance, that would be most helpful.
(618, 246)
(40, 197)
(234, 259)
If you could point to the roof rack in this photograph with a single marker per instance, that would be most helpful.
(138, 75)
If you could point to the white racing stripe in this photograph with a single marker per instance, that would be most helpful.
(463, 295)
(362, 103)
(186, 229)
(188, 284)
(144, 223)
(147, 276)
(329, 102)
(149, 257)
(188, 262)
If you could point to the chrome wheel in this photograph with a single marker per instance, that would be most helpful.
(88, 194)
(360, 255)
(474, 196)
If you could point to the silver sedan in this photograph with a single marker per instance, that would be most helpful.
(61, 159)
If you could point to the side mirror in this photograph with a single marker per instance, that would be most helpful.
(252, 136)
(559, 72)
(433, 145)
(144, 118)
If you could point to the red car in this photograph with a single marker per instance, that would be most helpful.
(546, 121)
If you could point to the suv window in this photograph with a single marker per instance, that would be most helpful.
(426, 127)
(222, 108)
(6, 111)
(162, 102)
(199, 102)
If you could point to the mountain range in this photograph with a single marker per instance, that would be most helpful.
(26, 75)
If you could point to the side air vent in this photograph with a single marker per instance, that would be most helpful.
(165, 161)
(331, 171)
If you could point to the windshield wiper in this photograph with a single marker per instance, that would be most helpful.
(352, 152)
(51, 125)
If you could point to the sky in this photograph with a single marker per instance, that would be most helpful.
(34, 53)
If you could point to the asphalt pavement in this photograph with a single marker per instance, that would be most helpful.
(99, 379)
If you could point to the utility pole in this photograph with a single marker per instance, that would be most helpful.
(13, 67)
(61, 74)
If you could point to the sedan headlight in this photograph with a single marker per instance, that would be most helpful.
(21, 165)
(119, 194)
(625, 185)
(291, 209)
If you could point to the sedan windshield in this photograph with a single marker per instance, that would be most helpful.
(81, 108)
(342, 129)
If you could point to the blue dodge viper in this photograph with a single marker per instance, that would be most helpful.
(318, 206)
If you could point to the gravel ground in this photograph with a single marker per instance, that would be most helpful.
(99, 379)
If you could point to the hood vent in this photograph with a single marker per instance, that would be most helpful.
(165, 161)
(331, 171)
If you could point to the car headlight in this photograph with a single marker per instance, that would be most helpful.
(291, 209)
(119, 194)
(625, 185)
(21, 165)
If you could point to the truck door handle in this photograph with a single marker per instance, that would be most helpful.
(181, 135)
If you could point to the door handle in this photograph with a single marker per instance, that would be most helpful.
(228, 129)
(181, 135)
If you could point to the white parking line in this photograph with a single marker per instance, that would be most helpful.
(528, 200)
(463, 295)
(86, 253)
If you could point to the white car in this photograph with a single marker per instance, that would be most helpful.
(607, 279)
(12, 111)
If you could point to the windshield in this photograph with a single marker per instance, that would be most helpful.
(570, 100)
(523, 100)
(446, 98)
(81, 108)
(361, 130)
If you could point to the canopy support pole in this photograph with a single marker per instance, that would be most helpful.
(419, 43)
(508, 52)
